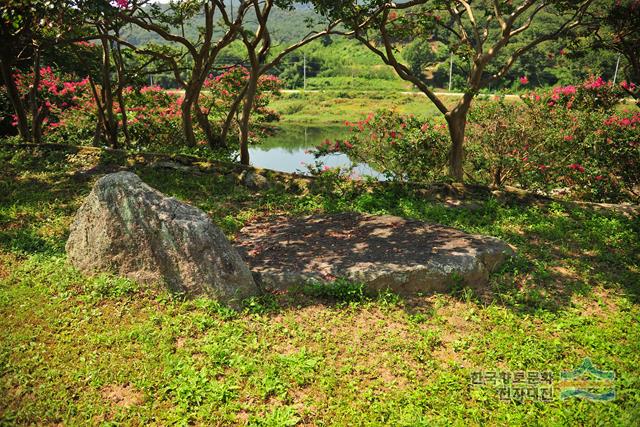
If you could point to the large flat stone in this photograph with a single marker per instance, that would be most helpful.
(383, 252)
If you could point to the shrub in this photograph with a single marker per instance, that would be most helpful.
(593, 94)
(153, 114)
(222, 90)
(57, 94)
(153, 119)
(568, 140)
(500, 135)
(401, 147)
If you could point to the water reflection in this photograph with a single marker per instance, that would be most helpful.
(286, 151)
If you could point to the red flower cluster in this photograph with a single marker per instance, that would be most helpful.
(630, 122)
(577, 167)
(55, 95)
(221, 91)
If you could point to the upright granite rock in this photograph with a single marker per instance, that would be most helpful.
(130, 229)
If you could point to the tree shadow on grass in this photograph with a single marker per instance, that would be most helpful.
(561, 254)
(562, 251)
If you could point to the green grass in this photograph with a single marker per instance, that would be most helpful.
(78, 351)
(338, 106)
(358, 84)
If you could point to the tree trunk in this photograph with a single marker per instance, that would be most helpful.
(226, 126)
(16, 101)
(99, 111)
(187, 120)
(123, 116)
(119, 62)
(457, 121)
(97, 133)
(203, 121)
(111, 127)
(252, 86)
(36, 111)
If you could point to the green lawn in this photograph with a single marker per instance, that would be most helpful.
(79, 351)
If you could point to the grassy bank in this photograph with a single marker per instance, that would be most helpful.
(337, 106)
(80, 351)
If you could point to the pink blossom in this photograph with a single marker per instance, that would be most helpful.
(524, 80)
(577, 167)
(595, 84)
(628, 85)
(154, 88)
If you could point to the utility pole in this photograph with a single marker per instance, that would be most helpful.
(615, 75)
(450, 70)
(232, 10)
(304, 71)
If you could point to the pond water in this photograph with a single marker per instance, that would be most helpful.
(286, 151)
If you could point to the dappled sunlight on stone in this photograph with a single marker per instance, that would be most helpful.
(383, 252)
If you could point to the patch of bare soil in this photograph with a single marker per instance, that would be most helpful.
(123, 396)
(6, 262)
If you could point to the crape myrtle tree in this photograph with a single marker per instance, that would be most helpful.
(101, 17)
(16, 33)
(480, 30)
(121, 65)
(191, 60)
(260, 60)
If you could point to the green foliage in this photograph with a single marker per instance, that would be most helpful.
(617, 24)
(281, 416)
(340, 290)
(569, 138)
(401, 147)
(105, 286)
